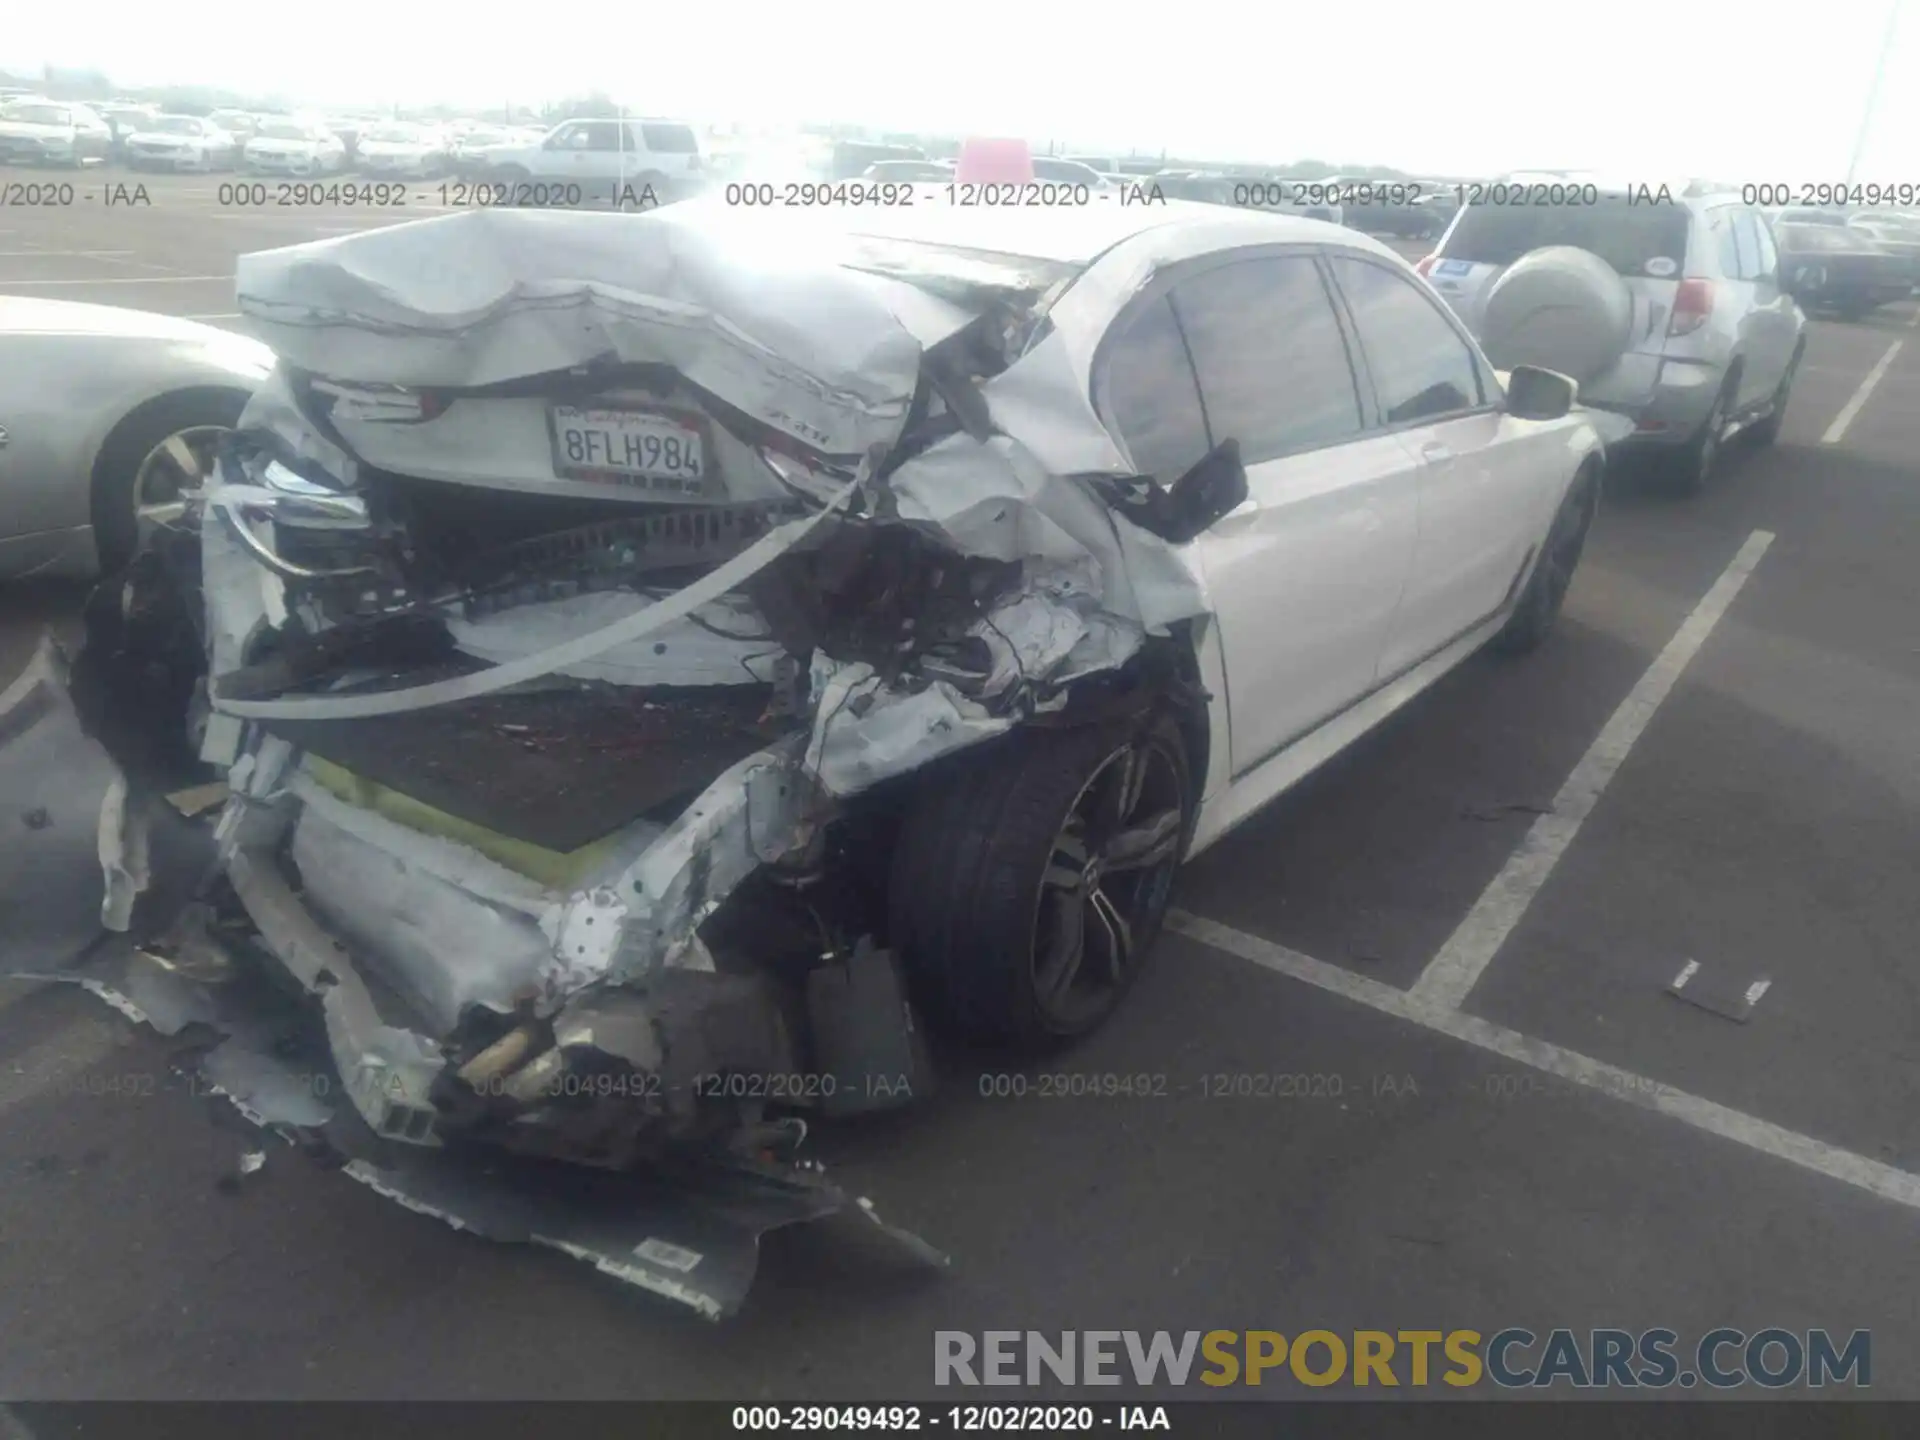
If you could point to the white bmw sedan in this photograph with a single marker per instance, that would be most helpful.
(293, 147)
(968, 566)
(180, 142)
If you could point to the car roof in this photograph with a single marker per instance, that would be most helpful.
(1077, 235)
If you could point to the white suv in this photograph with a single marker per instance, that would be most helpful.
(1666, 305)
(606, 162)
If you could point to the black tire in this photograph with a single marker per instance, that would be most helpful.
(982, 910)
(1767, 431)
(116, 528)
(1693, 465)
(1546, 589)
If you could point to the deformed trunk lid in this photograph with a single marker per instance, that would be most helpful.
(762, 317)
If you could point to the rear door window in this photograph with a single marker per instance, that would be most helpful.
(665, 139)
(1626, 236)
(1756, 249)
(602, 135)
(1422, 369)
(1273, 365)
(1151, 394)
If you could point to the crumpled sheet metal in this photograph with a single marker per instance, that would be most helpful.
(689, 1236)
(825, 354)
(996, 500)
(624, 631)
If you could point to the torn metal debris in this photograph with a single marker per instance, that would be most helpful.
(567, 639)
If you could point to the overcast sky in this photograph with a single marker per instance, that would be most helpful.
(1643, 88)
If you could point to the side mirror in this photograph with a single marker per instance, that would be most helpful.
(1182, 511)
(1536, 394)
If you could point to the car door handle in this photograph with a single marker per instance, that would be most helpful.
(1435, 454)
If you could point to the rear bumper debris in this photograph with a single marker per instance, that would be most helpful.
(321, 1067)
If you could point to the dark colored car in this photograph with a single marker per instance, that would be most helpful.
(1897, 234)
(1240, 191)
(1399, 208)
(1836, 268)
(851, 158)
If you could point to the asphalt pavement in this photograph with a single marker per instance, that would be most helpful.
(1460, 936)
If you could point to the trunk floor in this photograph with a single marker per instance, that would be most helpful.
(557, 769)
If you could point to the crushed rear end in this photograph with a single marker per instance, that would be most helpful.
(573, 613)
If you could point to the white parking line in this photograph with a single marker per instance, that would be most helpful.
(223, 315)
(1899, 1186)
(44, 254)
(1452, 973)
(1852, 408)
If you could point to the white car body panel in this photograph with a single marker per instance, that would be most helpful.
(319, 154)
(556, 159)
(210, 149)
(1326, 539)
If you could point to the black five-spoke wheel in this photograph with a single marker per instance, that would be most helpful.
(1031, 880)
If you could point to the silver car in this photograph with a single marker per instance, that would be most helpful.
(1674, 298)
(52, 132)
(108, 419)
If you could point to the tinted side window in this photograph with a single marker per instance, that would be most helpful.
(1763, 238)
(603, 135)
(1421, 367)
(1746, 232)
(1272, 363)
(1727, 247)
(670, 139)
(1150, 394)
(1748, 247)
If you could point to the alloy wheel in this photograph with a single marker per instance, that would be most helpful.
(172, 474)
(1106, 883)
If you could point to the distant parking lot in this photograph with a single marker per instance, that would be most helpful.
(1462, 934)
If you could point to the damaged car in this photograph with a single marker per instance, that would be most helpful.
(650, 667)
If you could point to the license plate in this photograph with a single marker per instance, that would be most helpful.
(642, 448)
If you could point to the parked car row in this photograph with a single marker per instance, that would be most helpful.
(37, 131)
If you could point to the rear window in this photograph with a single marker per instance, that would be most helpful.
(670, 139)
(1824, 238)
(1625, 236)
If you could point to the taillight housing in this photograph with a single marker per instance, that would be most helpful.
(1425, 264)
(1692, 307)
